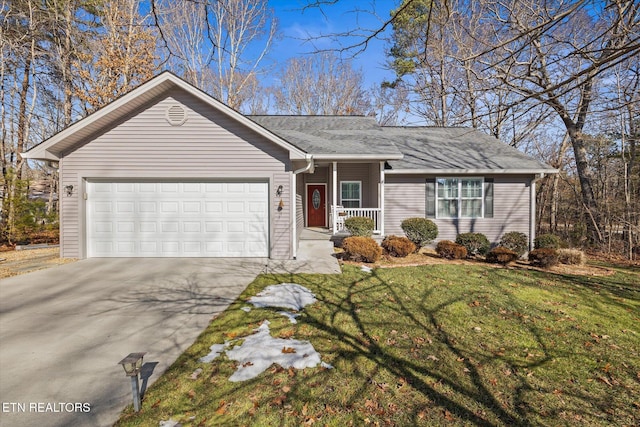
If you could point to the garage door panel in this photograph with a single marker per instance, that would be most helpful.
(177, 219)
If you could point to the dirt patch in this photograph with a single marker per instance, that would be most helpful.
(13, 263)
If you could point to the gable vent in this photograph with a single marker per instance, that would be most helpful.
(176, 115)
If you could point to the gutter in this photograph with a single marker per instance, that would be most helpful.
(471, 171)
(310, 167)
(532, 208)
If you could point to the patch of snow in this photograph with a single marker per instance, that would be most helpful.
(216, 349)
(246, 309)
(326, 365)
(170, 423)
(366, 269)
(284, 295)
(291, 316)
(260, 350)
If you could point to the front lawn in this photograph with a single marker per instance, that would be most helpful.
(430, 345)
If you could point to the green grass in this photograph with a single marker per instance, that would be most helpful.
(432, 345)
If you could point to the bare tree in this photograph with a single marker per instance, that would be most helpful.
(218, 45)
(320, 84)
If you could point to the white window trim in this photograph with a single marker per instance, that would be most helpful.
(359, 193)
(460, 198)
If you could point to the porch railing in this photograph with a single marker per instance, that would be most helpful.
(339, 214)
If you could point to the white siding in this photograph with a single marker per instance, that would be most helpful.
(208, 146)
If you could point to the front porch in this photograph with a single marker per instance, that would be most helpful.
(339, 214)
(332, 191)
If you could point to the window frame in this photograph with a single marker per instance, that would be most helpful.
(459, 197)
(359, 199)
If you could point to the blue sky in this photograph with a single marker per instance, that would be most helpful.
(297, 26)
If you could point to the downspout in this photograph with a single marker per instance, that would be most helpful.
(532, 209)
(294, 193)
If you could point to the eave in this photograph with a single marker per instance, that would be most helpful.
(68, 139)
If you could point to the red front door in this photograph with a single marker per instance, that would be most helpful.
(316, 206)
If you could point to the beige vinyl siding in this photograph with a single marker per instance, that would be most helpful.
(359, 172)
(299, 218)
(208, 146)
(281, 226)
(405, 196)
(69, 215)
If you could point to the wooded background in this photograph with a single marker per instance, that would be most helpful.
(559, 80)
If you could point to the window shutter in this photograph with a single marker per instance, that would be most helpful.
(488, 198)
(431, 198)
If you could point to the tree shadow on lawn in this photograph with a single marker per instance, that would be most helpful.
(468, 396)
(359, 323)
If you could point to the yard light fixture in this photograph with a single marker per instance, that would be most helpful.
(69, 190)
(132, 365)
(279, 190)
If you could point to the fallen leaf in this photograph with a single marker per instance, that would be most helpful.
(305, 408)
(448, 415)
(245, 364)
(474, 304)
(286, 389)
(288, 350)
(231, 335)
(278, 401)
(288, 333)
(191, 394)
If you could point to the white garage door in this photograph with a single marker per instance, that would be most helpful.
(177, 219)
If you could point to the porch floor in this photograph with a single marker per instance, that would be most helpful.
(316, 233)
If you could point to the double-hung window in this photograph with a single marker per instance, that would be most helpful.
(460, 198)
(351, 194)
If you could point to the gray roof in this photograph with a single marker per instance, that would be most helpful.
(327, 136)
(440, 149)
(421, 149)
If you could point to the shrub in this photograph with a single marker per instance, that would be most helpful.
(359, 226)
(544, 257)
(516, 241)
(451, 250)
(544, 241)
(476, 243)
(398, 246)
(421, 231)
(361, 249)
(571, 256)
(501, 255)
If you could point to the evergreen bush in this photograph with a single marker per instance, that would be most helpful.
(516, 241)
(476, 243)
(359, 226)
(421, 231)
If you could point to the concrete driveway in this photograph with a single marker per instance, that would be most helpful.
(64, 329)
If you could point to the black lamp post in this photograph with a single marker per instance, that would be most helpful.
(132, 365)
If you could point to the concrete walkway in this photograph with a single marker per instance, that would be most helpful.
(64, 329)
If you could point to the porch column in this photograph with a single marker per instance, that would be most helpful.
(381, 198)
(334, 195)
